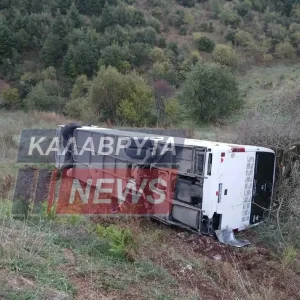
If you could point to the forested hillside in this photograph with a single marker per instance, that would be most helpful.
(139, 62)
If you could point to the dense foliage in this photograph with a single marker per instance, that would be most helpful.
(48, 47)
(210, 93)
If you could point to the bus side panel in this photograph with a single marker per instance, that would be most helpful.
(263, 185)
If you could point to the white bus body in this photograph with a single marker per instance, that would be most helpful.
(218, 185)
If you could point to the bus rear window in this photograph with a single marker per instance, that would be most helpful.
(209, 164)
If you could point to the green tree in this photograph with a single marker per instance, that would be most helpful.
(243, 7)
(230, 17)
(116, 56)
(46, 96)
(107, 90)
(136, 105)
(6, 42)
(203, 43)
(53, 49)
(210, 92)
(73, 17)
(81, 87)
(225, 55)
(124, 99)
(285, 50)
(59, 26)
(10, 98)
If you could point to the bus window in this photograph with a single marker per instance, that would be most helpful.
(209, 165)
(199, 164)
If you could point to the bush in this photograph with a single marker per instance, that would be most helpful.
(124, 99)
(243, 38)
(210, 92)
(173, 111)
(268, 58)
(243, 7)
(225, 55)
(46, 96)
(10, 98)
(135, 107)
(285, 50)
(230, 17)
(116, 56)
(162, 42)
(203, 43)
(207, 27)
(79, 109)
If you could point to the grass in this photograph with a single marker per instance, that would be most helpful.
(48, 257)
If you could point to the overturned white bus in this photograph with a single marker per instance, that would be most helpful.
(217, 185)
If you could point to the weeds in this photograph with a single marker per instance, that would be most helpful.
(121, 240)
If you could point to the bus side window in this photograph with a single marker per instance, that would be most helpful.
(209, 165)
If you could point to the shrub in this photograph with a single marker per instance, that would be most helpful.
(46, 96)
(140, 53)
(276, 32)
(162, 42)
(216, 5)
(210, 92)
(225, 55)
(205, 44)
(243, 7)
(207, 27)
(79, 109)
(116, 56)
(230, 37)
(10, 98)
(268, 58)
(135, 107)
(183, 30)
(230, 17)
(158, 55)
(243, 38)
(146, 35)
(153, 22)
(177, 18)
(124, 99)
(173, 111)
(285, 50)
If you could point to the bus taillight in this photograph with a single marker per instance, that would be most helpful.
(238, 149)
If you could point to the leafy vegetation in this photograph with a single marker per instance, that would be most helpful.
(210, 92)
(79, 38)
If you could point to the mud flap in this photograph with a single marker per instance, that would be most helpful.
(227, 237)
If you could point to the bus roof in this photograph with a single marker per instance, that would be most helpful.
(178, 141)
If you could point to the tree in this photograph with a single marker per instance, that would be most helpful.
(81, 87)
(285, 50)
(124, 99)
(210, 92)
(162, 92)
(243, 7)
(225, 55)
(73, 17)
(46, 96)
(116, 56)
(10, 97)
(243, 38)
(59, 27)
(136, 106)
(203, 43)
(106, 93)
(53, 49)
(6, 42)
